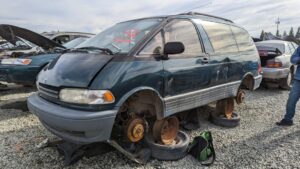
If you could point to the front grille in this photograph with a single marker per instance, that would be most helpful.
(47, 92)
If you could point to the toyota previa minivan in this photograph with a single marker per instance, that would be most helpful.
(134, 77)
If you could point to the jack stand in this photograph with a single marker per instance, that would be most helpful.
(141, 157)
(74, 152)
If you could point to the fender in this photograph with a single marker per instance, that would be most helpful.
(138, 89)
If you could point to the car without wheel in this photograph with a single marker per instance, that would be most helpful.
(133, 79)
(275, 58)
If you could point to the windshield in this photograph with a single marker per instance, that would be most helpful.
(279, 46)
(122, 37)
(75, 42)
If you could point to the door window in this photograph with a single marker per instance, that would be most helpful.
(184, 31)
(221, 37)
(154, 46)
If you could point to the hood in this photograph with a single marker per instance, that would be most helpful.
(11, 34)
(73, 69)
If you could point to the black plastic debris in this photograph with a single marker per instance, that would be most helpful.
(74, 152)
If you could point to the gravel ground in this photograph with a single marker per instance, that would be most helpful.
(256, 143)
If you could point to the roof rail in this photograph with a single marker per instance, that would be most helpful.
(197, 13)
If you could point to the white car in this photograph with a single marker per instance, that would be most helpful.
(275, 58)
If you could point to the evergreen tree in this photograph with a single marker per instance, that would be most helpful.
(284, 34)
(298, 33)
(262, 35)
(291, 34)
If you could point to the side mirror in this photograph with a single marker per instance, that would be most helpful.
(173, 48)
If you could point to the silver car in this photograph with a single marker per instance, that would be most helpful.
(275, 58)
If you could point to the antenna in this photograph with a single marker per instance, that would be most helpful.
(277, 22)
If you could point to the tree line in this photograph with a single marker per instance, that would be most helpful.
(291, 36)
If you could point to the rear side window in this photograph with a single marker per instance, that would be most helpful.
(221, 37)
(244, 41)
(184, 31)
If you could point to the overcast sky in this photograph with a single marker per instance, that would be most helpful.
(96, 15)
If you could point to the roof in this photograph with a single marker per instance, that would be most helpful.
(273, 41)
(190, 15)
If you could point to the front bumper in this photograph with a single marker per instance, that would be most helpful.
(275, 73)
(76, 126)
(19, 74)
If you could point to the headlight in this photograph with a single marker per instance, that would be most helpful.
(82, 96)
(16, 61)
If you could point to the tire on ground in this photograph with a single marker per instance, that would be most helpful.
(224, 122)
(285, 83)
(169, 152)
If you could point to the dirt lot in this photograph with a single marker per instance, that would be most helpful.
(256, 143)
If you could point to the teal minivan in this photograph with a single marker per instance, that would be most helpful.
(133, 78)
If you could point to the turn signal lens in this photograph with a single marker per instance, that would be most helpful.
(108, 97)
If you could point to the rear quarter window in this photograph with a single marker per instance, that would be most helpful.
(220, 36)
(243, 39)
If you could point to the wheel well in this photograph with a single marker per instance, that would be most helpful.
(145, 102)
(248, 82)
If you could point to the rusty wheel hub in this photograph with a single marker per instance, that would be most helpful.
(229, 108)
(135, 129)
(166, 130)
(240, 97)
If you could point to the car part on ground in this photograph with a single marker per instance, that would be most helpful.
(240, 96)
(165, 131)
(224, 115)
(174, 151)
(223, 121)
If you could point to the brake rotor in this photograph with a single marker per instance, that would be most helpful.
(135, 129)
(240, 97)
(166, 130)
(229, 108)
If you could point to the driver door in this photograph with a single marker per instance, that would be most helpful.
(188, 71)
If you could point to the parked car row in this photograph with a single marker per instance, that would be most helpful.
(133, 80)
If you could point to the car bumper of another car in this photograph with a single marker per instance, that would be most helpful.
(19, 74)
(257, 81)
(76, 126)
(275, 73)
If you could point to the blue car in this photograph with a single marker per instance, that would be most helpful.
(24, 68)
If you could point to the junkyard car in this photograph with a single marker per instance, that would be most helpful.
(64, 37)
(24, 67)
(132, 78)
(275, 58)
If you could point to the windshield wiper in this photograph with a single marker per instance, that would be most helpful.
(106, 50)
